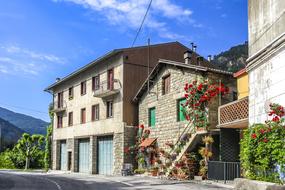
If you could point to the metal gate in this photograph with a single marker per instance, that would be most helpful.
(84, 156)
(63, 156)
(105, 155)
(226, 171)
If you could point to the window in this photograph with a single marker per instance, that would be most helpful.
(60, 100)
(235, 95)
(95, 82)
(95, 112)
(110, 79)
(181, 110)
(109, 109)
(166, 84)
(151, 113)
(83, 115)
(83, 87)
(70, 118)
(70, 93)
(59, 121)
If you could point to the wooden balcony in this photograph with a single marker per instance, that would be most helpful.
(59, 106)
(234, 114)
(106, 89)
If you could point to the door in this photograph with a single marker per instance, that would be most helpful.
(84, 156)
(105, 155)
(69, 159)
(63, 156)
(110, 79)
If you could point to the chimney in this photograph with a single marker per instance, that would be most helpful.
(194, 48)
(209, 58)
(187, 57)
(57, 79)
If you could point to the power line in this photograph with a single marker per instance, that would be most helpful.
(23, 108)
(139, 30)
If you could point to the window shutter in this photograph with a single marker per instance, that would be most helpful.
(181, 110)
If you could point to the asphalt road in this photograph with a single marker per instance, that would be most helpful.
(27, 181)
(15, 180)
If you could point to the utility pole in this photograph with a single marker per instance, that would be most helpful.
(148, 63)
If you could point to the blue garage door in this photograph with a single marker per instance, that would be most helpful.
(63, 156)
(105, 155)
(84, 156)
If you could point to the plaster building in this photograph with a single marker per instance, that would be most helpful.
(94, 116)
(266, 60)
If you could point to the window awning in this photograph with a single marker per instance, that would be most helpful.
(147, 142)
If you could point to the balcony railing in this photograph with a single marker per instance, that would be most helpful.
(106, 89)
(59, 106)
(234, 114)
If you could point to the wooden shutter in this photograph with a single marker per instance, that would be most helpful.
(83, 115)
(95, 112)
(152, 117)
(70, 118)
(59, 121)
(83, 88)
(181, 110)
(110, 79)
(166, 84)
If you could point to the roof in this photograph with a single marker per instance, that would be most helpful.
(240, 72)
(104, 57)
(147, 142)
(163, 62)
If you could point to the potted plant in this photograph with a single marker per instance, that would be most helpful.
(154, 170)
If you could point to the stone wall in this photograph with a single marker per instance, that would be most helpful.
(247, 184)
(56, 155)
(167, 127)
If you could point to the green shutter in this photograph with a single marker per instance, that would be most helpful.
(152, 117)
(181, 115)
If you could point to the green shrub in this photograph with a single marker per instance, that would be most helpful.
(263, 148)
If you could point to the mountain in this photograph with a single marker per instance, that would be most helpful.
(9, 134)
(233, 59)
(26, 123)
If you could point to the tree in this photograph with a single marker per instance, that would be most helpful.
(47, 158)
(28, 145)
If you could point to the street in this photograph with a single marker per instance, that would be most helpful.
(12, 180)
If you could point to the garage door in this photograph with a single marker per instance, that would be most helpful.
(84, 156)
(105, 155)
(63, 156)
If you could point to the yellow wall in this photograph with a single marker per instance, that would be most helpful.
(242, 84)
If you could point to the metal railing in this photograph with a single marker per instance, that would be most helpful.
(106, 88)
(59, 106)
(225, 171)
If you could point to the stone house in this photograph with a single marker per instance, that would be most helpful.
(94, 116)
(265, 65)
(160, 104)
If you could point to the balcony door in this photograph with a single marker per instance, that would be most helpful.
(110, 79)
(60, 100)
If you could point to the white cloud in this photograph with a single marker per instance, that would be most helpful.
(129, 13)
(16, 60)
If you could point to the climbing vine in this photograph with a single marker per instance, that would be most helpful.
(198, 94)
(262, 148)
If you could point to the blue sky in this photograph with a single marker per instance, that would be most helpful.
(42, 40)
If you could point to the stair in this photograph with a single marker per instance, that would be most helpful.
(189, 129)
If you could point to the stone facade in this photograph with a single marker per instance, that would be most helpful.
(167, 127)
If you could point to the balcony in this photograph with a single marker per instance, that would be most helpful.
(59, 106)
(234, 114)
(106, 89)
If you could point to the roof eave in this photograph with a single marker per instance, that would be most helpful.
(84, 68)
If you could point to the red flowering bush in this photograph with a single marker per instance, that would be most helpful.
(198, 95)
(263, 147)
